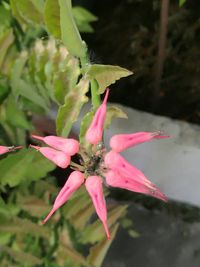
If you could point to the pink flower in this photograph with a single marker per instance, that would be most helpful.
(63, 149)
(60, 158)
(75, 180)
(120, 142)
(6, 149)
(95, 131)
(94, 187)
(110, 166)
(68, 145)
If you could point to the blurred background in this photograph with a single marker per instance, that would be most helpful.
(159, 41)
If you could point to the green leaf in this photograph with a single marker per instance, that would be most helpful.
(69, 112)
(14, 167)
(83, 14)
(33, 205)
(21, 256)
(181, 2)
(24, 226)
(5, 238)
(15, 116)
(24, 166)
(5, 42)
(8, 210)
(99, 251)
(52, 17)
(114, 112)
(69, 32)
(83, 17)
(106, 75)
(29, 11)
(95, 232)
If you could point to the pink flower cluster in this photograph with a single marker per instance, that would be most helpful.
(111, 168)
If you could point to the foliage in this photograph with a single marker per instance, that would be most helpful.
(44, 62)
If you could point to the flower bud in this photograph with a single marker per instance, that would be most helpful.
(115, 161)
(5, 149)
(94, 187)
(58, 157)
(120, 142)
(67, 145)
(116, 179)
(95, 131)
(74, 181)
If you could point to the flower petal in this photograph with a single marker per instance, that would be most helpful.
(115, 179)
(95, 131)
(120, 142)
(74, 181)
(5, 149)
(60, 158)
(94, 187)
(115, 161)
(68, 145)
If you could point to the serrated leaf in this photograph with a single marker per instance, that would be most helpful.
(98, 252)
(69, 32)
(24, 226)
(28, 11)
(112, 113)
(69, 112)
(52, 17)
(33, 205)
(95, 232)
(8, 210)
(106, 75)
(21, 256)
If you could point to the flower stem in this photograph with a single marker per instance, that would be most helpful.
(96, 100)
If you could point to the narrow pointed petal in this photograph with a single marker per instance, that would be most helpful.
(115, 179)
(67, 145)
(94, 187)
(74, 181)
(121, 142)
(95, 131)
(60, 158)
(115, 161)
(5, 149)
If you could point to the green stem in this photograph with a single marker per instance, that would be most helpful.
(96, 100)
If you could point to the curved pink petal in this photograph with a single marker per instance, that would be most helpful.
(116, 179)
(67, 145)
(74, 181)
(5, 149)
(120, 142)
(60, 158)
(115, 161)
(94, 187)
(95, 131)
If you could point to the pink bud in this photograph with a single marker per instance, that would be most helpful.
(94, 187)
(5, 149)
(116, 162)
(74, 181)
(120, 142)
(95, 131)
(68, 145)
(115, 179)
(58, 157)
